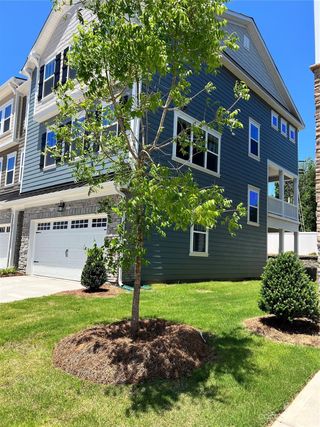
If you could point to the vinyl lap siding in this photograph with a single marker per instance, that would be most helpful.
(35, 178)
(229, 258)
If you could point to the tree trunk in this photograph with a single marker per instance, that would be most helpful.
(137, 286)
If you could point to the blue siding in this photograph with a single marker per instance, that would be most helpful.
(229, 258)
(35, 178)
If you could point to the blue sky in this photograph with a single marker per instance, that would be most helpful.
(286, 25)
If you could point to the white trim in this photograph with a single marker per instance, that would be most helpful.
(283, 121)
(180, 114)
(285, 171)
(3, 109)
(1, 169)
(292, 128)
(274, 114)
(72, 194)
(10, 156)
(54, 165)
(256, 190)
(198, 254)
(22, 153)
(257, 125)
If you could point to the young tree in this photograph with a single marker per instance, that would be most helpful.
(307, 190)
(135, 61)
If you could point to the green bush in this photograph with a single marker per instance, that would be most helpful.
(94, 273)
(287, 291)
(9, 271)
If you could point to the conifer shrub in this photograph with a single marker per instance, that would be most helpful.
(94, 273)
(287, 291)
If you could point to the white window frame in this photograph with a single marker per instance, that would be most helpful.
(256, 190)
(21, 165)
(283, 121)
(274, 114)
(10, 156)
(3, 109)
(246, 42)
(292, 128)
(1, 169)
(54, 165)
(191, 251)
(46, 62)
(179, 114)
(253, 156)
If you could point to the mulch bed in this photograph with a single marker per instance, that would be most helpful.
(106, 354)
(300, 331)
(105, 291)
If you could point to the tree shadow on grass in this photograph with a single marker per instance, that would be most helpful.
(233, 355)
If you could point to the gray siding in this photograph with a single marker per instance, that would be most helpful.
(35, 178)
(229, 258)
(252, 62)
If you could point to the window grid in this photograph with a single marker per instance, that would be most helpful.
(5, 118)
(80, 223)
(292, 133)
(44, 226)
(199, 240)
(207, 159)
(10, 170)
(51, 142)
(48, 81)
(99, 222)
(60, 225)
(253, 205)
(275, 120)
(284, 128)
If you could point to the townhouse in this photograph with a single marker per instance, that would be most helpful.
(51, 219)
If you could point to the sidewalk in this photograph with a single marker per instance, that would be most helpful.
(304, 411)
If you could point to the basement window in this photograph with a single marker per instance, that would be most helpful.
(199, 241)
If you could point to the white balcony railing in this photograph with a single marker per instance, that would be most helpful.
(282, 208)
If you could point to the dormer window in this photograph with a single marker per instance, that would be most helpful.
(5, 118)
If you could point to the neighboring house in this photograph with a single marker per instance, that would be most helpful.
(58, 219)
(13, 105)
(316, 70)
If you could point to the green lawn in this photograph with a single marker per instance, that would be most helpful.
(249, 383)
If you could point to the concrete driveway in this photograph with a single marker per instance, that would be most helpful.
(22, 287)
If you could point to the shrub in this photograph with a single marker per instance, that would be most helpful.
(94, 273)
(287, 291)
(9, 271)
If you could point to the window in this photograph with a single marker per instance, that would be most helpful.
(48, 81)
(199, 148)
(51, 141)
(253, 205)
(11, 165)
(199, 241)
(43, 226)
(254, 139)
(292, 134)
(284, 128)
(99, 222)
(80, 223)
(246, 42)
(275, 120)
(21, 166)
(5, 118)
(60, 225)
(8, 228)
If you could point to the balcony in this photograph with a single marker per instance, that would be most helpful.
(282, 193)
(282, 208)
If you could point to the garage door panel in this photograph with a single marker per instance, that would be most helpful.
(4, 244)
(61, 253)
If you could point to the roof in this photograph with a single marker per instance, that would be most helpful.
(283, 103)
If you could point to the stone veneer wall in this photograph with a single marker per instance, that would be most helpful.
(79, 207)
(5, 216)
(316, 70)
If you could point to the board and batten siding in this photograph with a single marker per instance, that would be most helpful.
(229, 257)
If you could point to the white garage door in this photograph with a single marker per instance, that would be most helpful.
(60, 245)
(4, 244)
